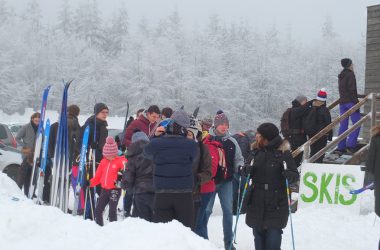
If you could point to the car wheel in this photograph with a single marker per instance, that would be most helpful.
(12, 171)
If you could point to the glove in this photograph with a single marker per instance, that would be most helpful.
(291, 176)
(246, 170)
(119, 178)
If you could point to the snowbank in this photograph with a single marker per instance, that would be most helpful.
(24, 224)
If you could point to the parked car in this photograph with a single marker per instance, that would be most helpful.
(6, 136)
(10, 161)
(14, 128)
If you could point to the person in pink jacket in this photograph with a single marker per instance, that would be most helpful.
(108, 175)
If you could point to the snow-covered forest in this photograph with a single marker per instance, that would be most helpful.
(250, 73)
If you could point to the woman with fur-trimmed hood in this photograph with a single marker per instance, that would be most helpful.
(267, 204)
(373, 164)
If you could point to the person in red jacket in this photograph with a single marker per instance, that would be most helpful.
(107, 175)
(208, 189)
(146, 123)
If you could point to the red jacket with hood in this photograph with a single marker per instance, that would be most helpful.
(106, 174)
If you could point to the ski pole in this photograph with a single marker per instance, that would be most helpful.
(289, 204)
(240, 206)
(237, 205)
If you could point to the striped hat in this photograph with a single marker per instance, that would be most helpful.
(110, 148)
(322, 95)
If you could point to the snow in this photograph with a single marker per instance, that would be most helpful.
(22, 223)
(314, 228)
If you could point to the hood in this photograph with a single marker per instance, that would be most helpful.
(344, 73)
(277, 143)
(136, 148)
(317, 103)
(375, 130)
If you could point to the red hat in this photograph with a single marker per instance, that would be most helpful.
(322, 95)
(110, 148)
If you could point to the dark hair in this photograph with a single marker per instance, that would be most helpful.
(153, 109)
(139, 111)
(176, 129)
(167, 112)
(35, 115)
(73, 110)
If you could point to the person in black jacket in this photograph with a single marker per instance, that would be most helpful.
(173, 157)
(267, 204)
(373, 165)
(348, 98)
(297, 136)
(138, 177)
(323, 118)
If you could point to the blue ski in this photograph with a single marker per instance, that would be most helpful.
(361, 190)
(81, 171)
(38, 144)
(43, 161)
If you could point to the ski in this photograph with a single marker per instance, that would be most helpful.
(81, 170)
(361, 190)
(38, 143)
(60, 174)
(195, 113)
(43, 161)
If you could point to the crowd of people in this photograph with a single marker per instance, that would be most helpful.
(172, 164)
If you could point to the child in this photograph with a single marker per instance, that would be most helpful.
(107, 175)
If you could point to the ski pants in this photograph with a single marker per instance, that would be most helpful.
(267, 239)
(174, 206)
(352, 139)
(110, 197)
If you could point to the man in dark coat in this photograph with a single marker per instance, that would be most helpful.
(348, 98)
(267, 202)
(297, 136)
(173, 156)
(323, 119)
(98, 124)
(146, 123)
(138, 177)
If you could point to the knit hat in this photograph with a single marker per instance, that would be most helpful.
(301, 98)
(139, 136)
(268, 130)
(99, 107)
(181, 118)
(220, 119)
(346, 62)
(322, 95)
(73, 110)
(110, 148)
(195, 126)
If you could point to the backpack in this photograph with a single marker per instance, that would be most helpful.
(285, 121)
(310, 122)
(221, 171)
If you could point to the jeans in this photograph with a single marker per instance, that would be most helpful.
(224, 191)
(202, 220)
(352, 139)
(268, 239)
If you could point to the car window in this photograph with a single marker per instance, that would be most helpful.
(3, 132)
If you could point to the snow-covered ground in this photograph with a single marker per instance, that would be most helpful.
(23, 224)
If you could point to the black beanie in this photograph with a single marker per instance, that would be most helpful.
(268, 130)
(346, 62)
(99, 107)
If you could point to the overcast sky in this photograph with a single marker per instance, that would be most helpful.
(305, 17)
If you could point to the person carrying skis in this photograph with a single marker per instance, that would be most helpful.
(173, 157)
(138, 177)
(225, 172)
(267, 203)
(108, 175)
